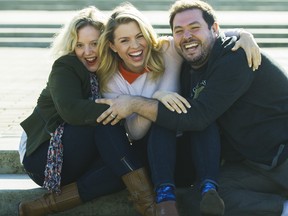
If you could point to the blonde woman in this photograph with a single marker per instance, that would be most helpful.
(63, 148)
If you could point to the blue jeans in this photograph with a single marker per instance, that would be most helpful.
(195, 158)
(206, 153)
(162, 155)
(94, 156)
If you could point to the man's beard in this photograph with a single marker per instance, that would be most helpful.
(199, 60)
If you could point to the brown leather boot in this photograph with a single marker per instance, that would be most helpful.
(51, 202)
(141, 191)
(167, 208)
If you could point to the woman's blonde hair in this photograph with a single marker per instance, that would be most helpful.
(65, 41)
(123, 14)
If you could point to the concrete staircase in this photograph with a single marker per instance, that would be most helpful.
(31, 23)
(34, 28)
(27, 26)
(232, 5)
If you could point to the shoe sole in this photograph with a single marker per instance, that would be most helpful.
(211, 204)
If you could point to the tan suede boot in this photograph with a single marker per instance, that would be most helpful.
(141, 191)
(51, 202)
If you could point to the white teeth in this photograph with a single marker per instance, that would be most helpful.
(188, 46)
(90, 59)
(136, 53)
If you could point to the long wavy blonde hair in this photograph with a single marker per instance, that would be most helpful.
(65, 41)
(123, 14)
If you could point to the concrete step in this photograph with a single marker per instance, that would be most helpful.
(9, 156)
(48, 30)
(268, 5)
(26, 42)
(16, 188)
(77, 4)
(41, 36)
(250, 5)
(45, 42)
(21, 29)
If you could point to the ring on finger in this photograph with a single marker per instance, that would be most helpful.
(113, 116)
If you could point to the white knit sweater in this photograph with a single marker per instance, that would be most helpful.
(137, 126)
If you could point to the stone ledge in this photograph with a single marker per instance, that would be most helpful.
(10, 162)
(17, 187)
(116, 204)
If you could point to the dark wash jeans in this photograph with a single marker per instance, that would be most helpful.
(191, 159)
(94, 156)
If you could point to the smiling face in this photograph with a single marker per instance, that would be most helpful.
(86, 47)
(131, 46)
(193, 39)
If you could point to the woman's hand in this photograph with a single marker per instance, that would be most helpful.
(172, 100)
(251, 48)
(119, 109)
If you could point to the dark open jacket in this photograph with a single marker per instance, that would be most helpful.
(250, 107)
(65, 99)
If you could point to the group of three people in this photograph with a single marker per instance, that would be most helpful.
(71, 154)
